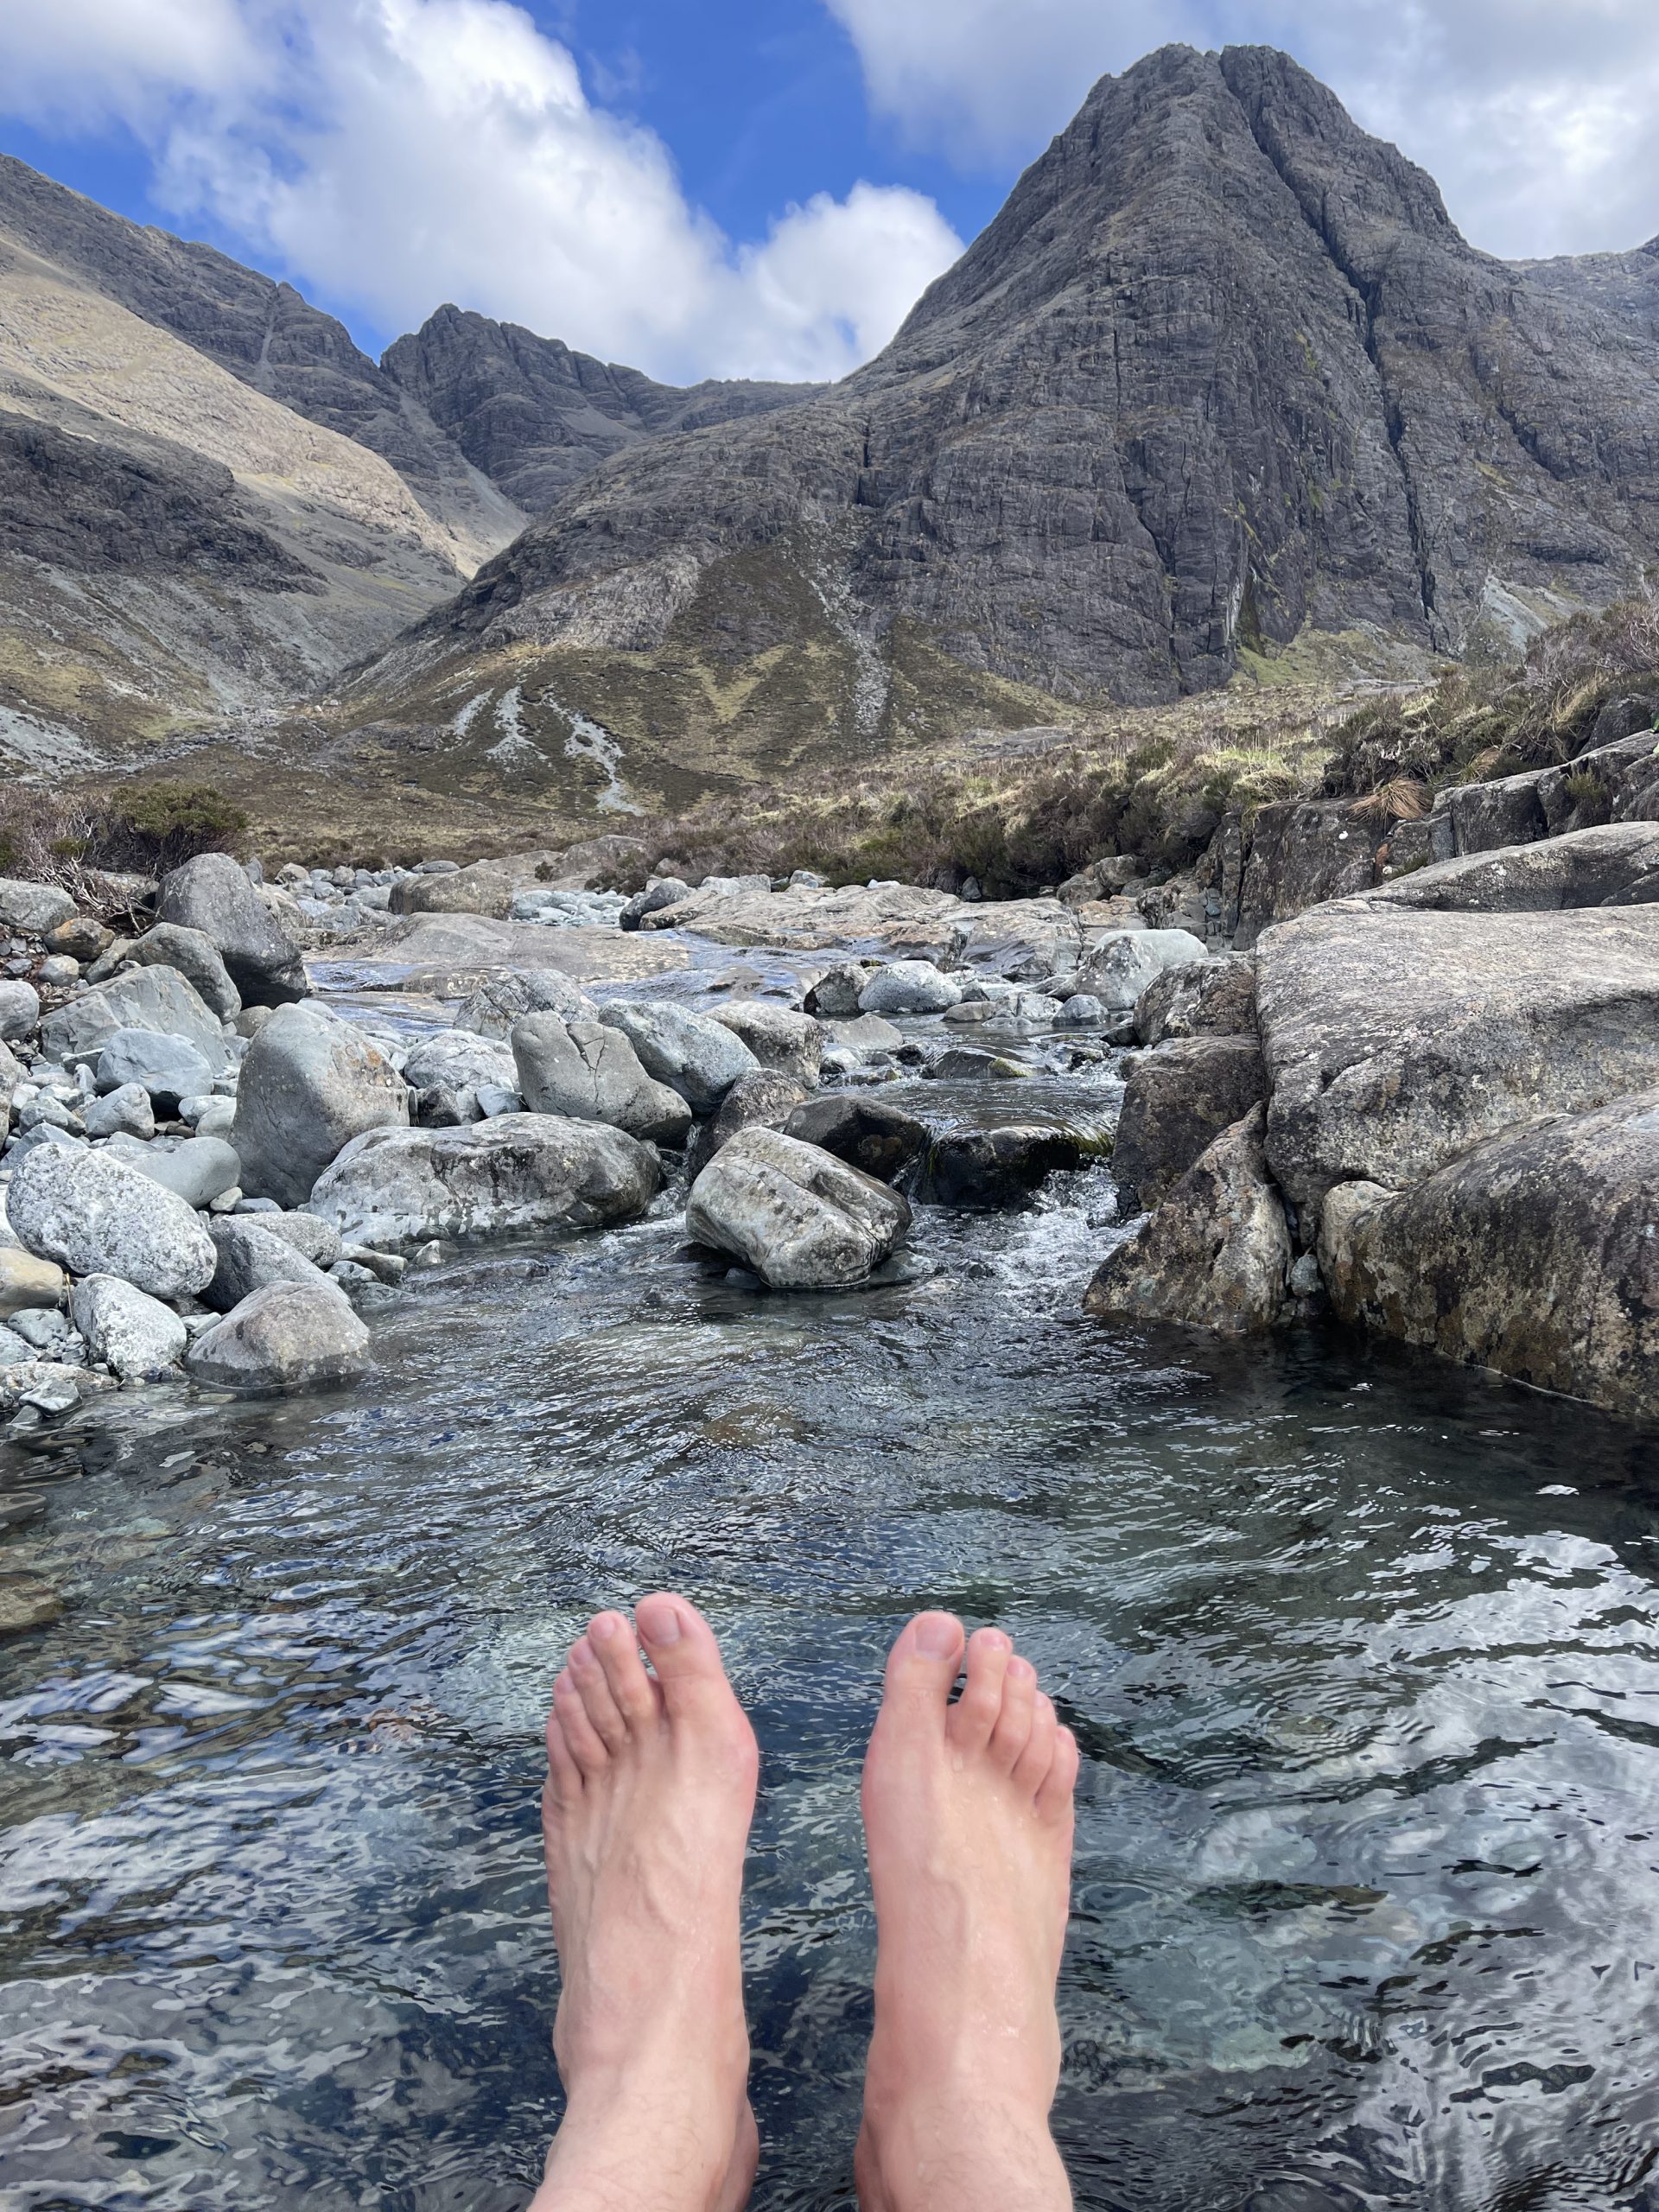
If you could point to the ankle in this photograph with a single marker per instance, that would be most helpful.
(963, 2145)
(645, 2139)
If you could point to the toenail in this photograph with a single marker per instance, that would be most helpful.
(665, 1627)
(1021, 1671)
(993, 1639)
(603, 1625)
(936, 1635)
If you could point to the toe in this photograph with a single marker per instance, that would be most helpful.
(1054, 1798)
(632, 1694)
(587, 1745)
(1031, 1768)
(974, 1714)
(682, 1649)
(563, 1775)
(1012, 1730)
(922, 1670)
(597, 1700)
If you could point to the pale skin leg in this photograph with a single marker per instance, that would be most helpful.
(650, 1793)
(968, 1810)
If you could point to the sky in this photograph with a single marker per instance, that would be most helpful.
(749, 188)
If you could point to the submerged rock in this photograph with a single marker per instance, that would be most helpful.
(1178, 1098)
(290, 1336)
(1216, 1253)
(798, 1217)
(93, 1214)
(27, 1601)
(392, 1188)
(583, 1069)
(870, 1135)
(1533, 1253)
(310, 1084)
(135, 1335)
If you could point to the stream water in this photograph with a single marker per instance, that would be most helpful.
(1362, 1654)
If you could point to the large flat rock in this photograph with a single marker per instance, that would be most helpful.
(451, 955)
(900, 920)
(1396, 1038)
(1586, 867)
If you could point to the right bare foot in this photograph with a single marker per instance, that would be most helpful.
(649, 1792)
(968, 1815)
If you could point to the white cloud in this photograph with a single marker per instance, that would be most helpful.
(398, 153)
(1535, 116)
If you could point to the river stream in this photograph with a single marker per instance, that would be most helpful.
(1363, 1653)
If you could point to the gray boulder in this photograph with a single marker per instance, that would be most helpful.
(290, 1336)
(192, 953)
(166, 1068)
(836, 994)
(95, 1214)
(394, 1188)
(867, 1034)
(460, 1059)
(765, 1099)
(157, 999)
(992, 1171)
(212, 893)
(791, 1043)
(1532, 1254)
(1215, 1255)
(1205, 998)
(250, 1255)
(1178, 1098)
(310, 1084)
(666, 891)
(799, 1219)
(198, 1169)
(126, 1111)
(33, 908)
(909, 987)
(28, 1284)
(1119, 968)
(867, 1134)
(316, 1240)
(1396, 1040)
(500, 1001)
(688, 1051)
(1614, 865)
(134, 1335)
(20, 1009)
(578, 1067)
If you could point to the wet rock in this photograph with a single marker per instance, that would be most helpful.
(388, 1268)
(665, 891)
(27, 1602)
(251, 1255)
(583, 1068)
(908, 987)
(1396, 1040)
(33, 908)
(867, 1134)
(28, 1283)
(134, 1335)
(836, 994)
(964, 1061)
(1216, 1253)
(95, 1214)
(990, 1171)
(288, 1336)
(1118, 970)
(212, 893)
(393, 1188)
(1178, 1098)
(1532, 1254)
(688, 1051)
(779, 1037)
(168, 1068)
(797, 1217)
(47, 1385)
(192, 953)
(126, 1110)
(20, 1010)
(460, 1059)
(500, 1001)
(310, 1084)
(1208, 998)
(199, 1169)
(765, 1100)
(157, 999)
(867, 1035)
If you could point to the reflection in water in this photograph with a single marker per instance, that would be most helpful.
(1365, 1660)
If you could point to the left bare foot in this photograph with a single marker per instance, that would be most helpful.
(650, 1793)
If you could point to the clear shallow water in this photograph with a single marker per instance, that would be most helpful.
(1364, 1661)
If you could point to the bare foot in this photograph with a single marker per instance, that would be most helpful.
(649, 1792)
(968, 1815)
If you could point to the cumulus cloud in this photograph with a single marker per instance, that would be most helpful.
(1534, 117)
(397, 153)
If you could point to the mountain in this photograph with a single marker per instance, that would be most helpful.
(534, 416)
(1221, 387)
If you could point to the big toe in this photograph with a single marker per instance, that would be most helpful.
(683, 1654)
(922, 1669)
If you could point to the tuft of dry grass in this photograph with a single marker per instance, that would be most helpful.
(71, 837)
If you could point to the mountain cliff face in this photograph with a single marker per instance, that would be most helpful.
(535, 417)
(1222, 382)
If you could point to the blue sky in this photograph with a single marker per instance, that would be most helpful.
(747, 187)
